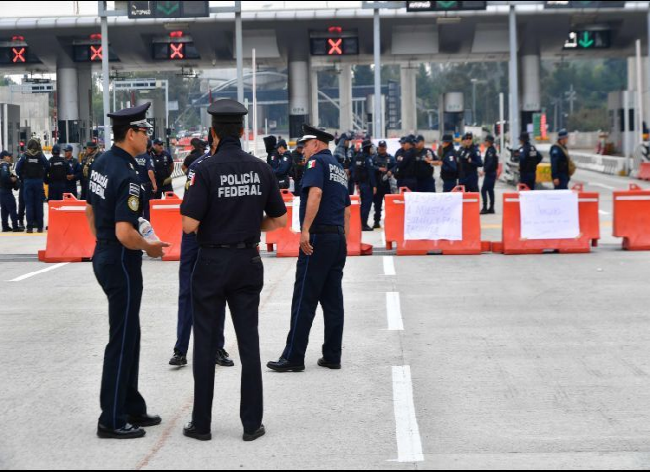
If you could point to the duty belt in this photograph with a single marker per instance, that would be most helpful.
(231, 246)
(323, 229)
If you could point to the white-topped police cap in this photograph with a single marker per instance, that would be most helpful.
(314, 133)
(136, 116)
(227, 111)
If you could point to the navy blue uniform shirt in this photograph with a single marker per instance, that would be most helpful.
(114, 192)
(325, 172)
(144, 165)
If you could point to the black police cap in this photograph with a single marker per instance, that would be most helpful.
(281, 144)
(4, 154)
(136, 116)
(419, 138)
(468, 136)
(489, 138)
(447, 138)
(227, 111)
(382, 144)
(92, 144)
(524, 136)
(314, 133)
(366, 144)
(158, 142)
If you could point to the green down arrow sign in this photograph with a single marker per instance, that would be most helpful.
(168, 8)
(446, 5)
(586, 41)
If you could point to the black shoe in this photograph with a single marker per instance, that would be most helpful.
(30, 231)
(8, 230)
(248, 437)
(144, 421)
(18, 229)
(21, 228)
(484, 211)
(377, 226)
(40, 230)
(128, 431)
(491, 211)
(191, 432)
(223, 359)
(284, 365)
(367, 228)
(329, 365)
(179, 359)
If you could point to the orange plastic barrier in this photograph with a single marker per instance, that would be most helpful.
(632, 218)
(68, 237)
(513, 243)
(644, 171)
(168, 224)
(287, 242)
(470, 245)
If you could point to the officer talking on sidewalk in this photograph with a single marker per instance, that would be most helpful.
(225, 206)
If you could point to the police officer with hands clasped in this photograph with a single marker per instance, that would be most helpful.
(8, 183)
(325, 221)
(469, 161)
(384, 165)
(561, 165)
(490, 170)
(529, 159)
(449, 166)
(225, 206)
(57, 175)
(363, 175)
(113, 211)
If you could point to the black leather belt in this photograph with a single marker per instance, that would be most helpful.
(109, 242)
(322, 229)
(231, 246)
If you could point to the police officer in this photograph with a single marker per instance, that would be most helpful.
(163, 168)
(406, 163)
(113, 210)
(32, 168)
(344, 154)
(560, 162)
(269, 146)
(147, 180)
(469, 161)
(8, 182)
(325, 220)
(75, 173)
(529, 159)
(228, 196)
(189, 256)
(91, 154)
(490, 169)
(297, 167)
(384, 165)
(363, 175)
(57, 175)
(425, 159)
(281, 164)
(198, 150)
(449, 169)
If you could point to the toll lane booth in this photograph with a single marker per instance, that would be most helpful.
(10, 128)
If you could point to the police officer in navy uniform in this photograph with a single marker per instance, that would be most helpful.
(32, 169)
(75, 171)
(469, 161)
(490, 170)
(325, 221)
(529, 159)
(57, 175)
(449, 169)
(198, 150)
(297, 167)
(363, 174)
(384, 165)
(269, 146)
(344, 154)
(281, 164)
(426, 159)
(225, 206)
(406, 162)
(163, 168)
(189, 256)
(91, 154)
(114, 207)
(8, 182)
(147, 179)
(560, 162)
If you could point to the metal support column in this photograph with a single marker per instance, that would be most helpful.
(378, 128)
(239, 51)
(105, 77)
(514, 79)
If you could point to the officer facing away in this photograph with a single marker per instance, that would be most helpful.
(163, 168)
(325, 220)
(32, 169)
(449, 169)
(113, 209)
(57, 175)
(75, 171)
(8, 182)
(198, 150)
(426, 160)
(490, 170)
(147, 179)
(92, 153)
(384, 165)
(281, 164)
(297, 167)
(363, 175)
(406, 163)
(529, 159)
(228, 196)
(560, 162)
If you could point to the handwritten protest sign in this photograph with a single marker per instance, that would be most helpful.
(433, 216)
(549, 215)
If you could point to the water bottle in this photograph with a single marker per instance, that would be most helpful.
(146, 230)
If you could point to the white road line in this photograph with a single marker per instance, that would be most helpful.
(394, 312)
(607, 187)
(32, 274)
(604, 213)
(389, 265)
(383, 238)
(409, 444)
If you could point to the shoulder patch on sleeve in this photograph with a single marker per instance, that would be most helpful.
(311, 164)
(134, 190)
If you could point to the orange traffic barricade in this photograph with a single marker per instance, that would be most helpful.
(512, 242)
(68, 237)
(274, 237)
(471, 243)
(355, 246)
(632, 218)
(167, 223)
(644, 171)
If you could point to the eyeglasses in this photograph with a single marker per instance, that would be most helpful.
(147, 131)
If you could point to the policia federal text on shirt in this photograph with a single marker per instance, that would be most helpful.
(225, 206)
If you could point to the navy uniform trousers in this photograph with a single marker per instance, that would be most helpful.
(487, 191)
(410, 183)
(529, 179)
(427, 185)
(235, 276)
(470, 182)
(56, 191)
(449, 185)
(119, 272)
(8, 208)
(34, 196)
(189, 256)
(318, 280)
(365, 191)
(383, 189)
(564, 182)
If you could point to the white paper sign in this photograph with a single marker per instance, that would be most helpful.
(549, 214)
(433, 216)
(295, 215)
